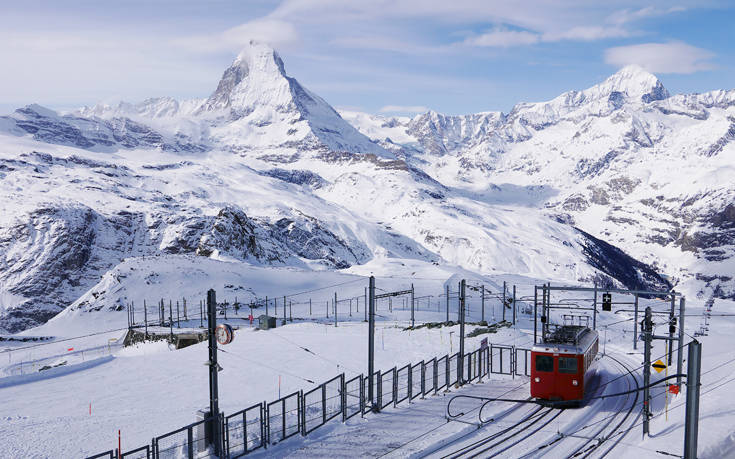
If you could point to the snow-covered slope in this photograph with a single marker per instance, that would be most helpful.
(267, 173)
(622, 160)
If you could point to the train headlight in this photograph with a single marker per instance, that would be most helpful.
(574, 382)
(537, 379)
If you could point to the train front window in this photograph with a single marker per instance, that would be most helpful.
(545, 363)
(568, 365)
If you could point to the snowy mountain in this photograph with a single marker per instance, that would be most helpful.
(265, 172)
(622, 160)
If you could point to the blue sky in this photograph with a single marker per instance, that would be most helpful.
(379, 56)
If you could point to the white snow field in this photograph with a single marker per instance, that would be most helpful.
(149, 389)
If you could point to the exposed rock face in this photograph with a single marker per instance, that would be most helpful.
(631, 273)
(93, 133)
(630, 163)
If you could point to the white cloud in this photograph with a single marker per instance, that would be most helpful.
(404, 109)
(586, 33)
(274, 32)
(503, 38)
(673, 57)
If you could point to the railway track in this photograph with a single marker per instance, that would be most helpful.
(605, 438)
(508, 437)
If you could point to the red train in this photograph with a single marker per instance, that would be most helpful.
(560, 364)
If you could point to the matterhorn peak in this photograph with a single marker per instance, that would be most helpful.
(257, 69)
(632, 82)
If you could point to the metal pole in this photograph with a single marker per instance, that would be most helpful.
(646, 369)
(514, 304)
(412, 319)
(535, 311)
(482, 297)
(335, 309)
(309, 306)
(366, 305)
(145, 318)
(635, 325)
(171, 321)
(447, 303)
(266, 305)
(284, 309)
(460, 358)
(350, 307)
(594, 311)
(178, 317)
(201, 314)
(371, 344)
(691, 424)
(213, 369)
(671, 332)
(503, 300)
(290, 311)
(679, 354)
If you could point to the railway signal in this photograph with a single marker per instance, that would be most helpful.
(606, 302)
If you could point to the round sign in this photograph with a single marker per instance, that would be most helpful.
(224, 334)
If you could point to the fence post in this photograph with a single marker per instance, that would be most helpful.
(343, 396)
(302, 417)
(423, 378)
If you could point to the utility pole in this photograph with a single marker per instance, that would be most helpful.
(412, 318)
(213, 370)
(535, 311)
(647, 327)
(504, 289)
(460, 359)
(672, 321)
(691, 424)
(145, 318)
(447, 303)
(482, 297)
(635, 324)
(371, 345)
(679, 354)
(594, 310)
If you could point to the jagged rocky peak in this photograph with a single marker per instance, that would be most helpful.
(256, 77)
(631, 83)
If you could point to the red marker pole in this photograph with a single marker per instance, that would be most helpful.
(119, 444)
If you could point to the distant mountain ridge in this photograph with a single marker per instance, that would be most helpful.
(265, 171)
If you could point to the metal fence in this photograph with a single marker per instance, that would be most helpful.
(265, 424)
(244, 430)
(144, 452)
(189, 441)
